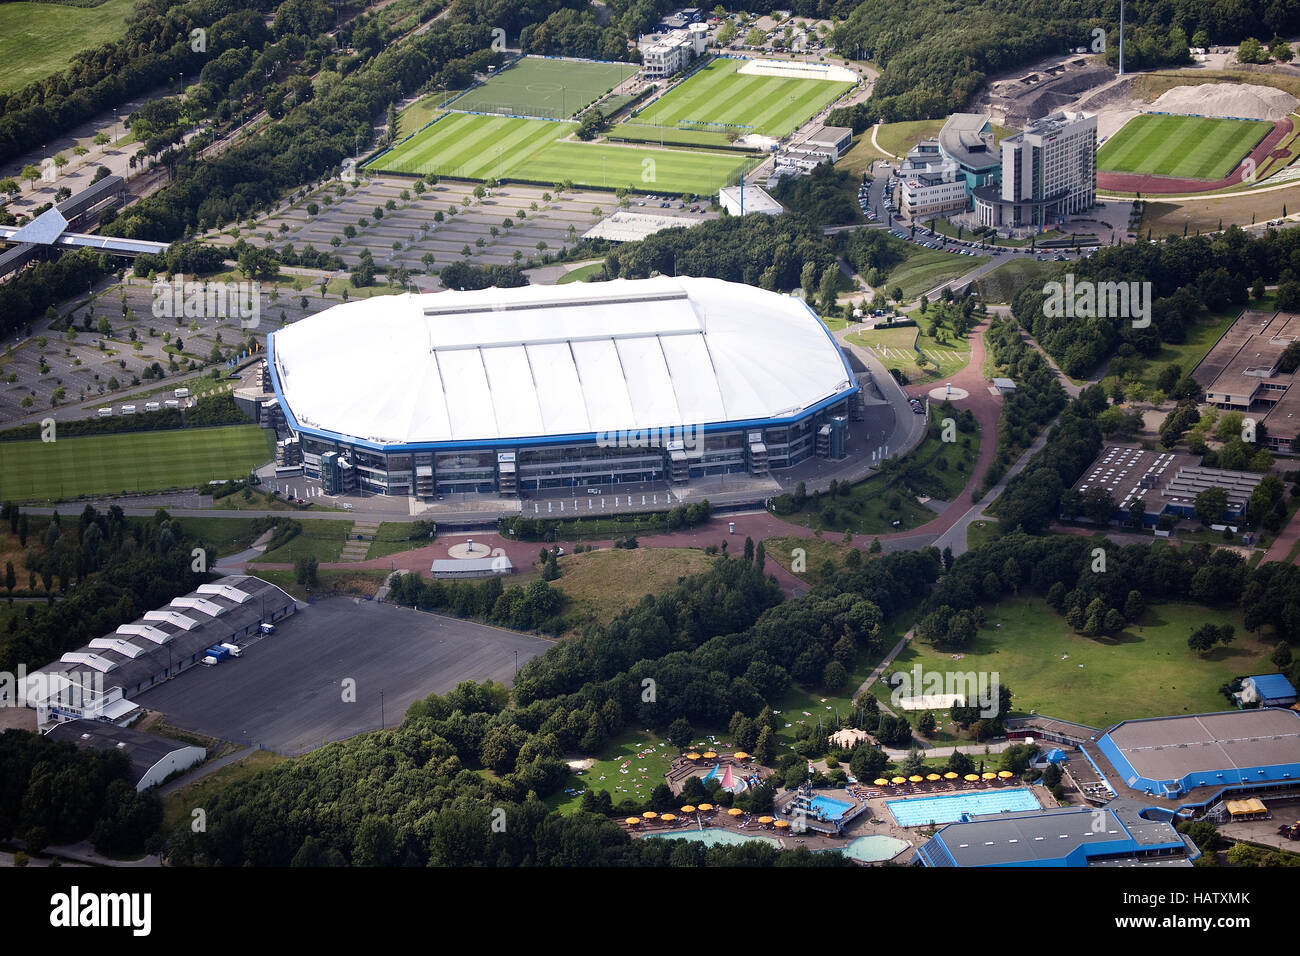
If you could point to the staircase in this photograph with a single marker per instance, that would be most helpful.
(359, 537)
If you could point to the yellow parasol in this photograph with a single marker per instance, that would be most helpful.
(880, 782)
(932, 777)
(765, 819)
(971, 777)
(740, 755)
(950, 775)
(667, 817)
(990, 776)
(915, 778)
(1005, 774)
(781, 824)
(692, 756)
(632, 821)
(709, 755)
(688, 809)
(705, 807)
(650, 815)
(735, 812)
(897, 780)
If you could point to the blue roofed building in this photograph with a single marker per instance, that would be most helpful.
(1065, 837)
(1267, 690)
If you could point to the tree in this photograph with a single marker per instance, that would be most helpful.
(926, 724)
(765, 747)
(304, 570)
(1210, 504)
(11, 579)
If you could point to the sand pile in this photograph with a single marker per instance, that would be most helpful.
(1241, 100)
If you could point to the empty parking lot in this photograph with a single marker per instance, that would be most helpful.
(287, 692)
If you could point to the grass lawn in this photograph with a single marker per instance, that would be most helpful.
(898, 138)
(1146, 672)
(37, 39)
(896, 348)
(132, 461)
(225, 535)
(178, 806)
(394, 537)
(924, 269)
(1195, 147)
(595, 270)
(422, 112)
(936, 468)
(817, 551)
(600, 584)
(1001, 284)
(668, 135)
(1201, 336)
(642, 774)
(330, 582)
(497, 147)
(719, 94)
(324, 539)
(981, 533)
(548, 88)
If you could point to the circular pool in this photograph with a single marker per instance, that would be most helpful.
(875, 848)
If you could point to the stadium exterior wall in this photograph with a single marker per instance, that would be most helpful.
(558, 461)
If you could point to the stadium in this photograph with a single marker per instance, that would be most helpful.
(513, 390)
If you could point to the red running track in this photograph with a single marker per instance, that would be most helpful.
(1148, 183)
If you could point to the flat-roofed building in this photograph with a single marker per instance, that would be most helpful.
(153, 759)
(1242, 373)
(1049, 171)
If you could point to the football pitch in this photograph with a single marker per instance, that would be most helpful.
(132, 461)
(720, 97)
(465, 146)
(549, 89)
(1192, 147)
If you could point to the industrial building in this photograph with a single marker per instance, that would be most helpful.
(1192, 763)
(98, 680)
(1049, 171)
(1267, 690)
(743, 199)
(499, 391)
(1243, 373)
(1165, 482)
(1064, 837)
(153, 759)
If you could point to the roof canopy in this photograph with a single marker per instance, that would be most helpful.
(550, 361)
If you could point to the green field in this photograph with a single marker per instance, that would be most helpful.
(37, 39)
(669, 135)
(497, 147)
(1145, 671)
(718, 94)
(1006, 280)
(924, 269)
(896, 348)
(1194, 147)
(545, 88)
(139, 461)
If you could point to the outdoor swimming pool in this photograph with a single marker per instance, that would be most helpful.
(828, 808)
(874, 848)
(949, 809)
(711, 836)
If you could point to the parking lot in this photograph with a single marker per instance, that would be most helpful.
(287, 692)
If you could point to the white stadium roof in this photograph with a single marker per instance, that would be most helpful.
(549, 361)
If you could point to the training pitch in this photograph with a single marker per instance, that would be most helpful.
(545, 88)
(719, 97)
(464, 146)
(1190, 147)
(134, 461)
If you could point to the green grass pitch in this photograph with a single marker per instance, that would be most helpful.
(1193, 147)
(134, 461)
(466, 146)
(37, 39)
(771, 105)
(551, 89)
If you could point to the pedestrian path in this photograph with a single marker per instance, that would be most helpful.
(360, 535)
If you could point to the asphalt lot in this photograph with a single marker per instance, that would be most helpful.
(286, 692)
